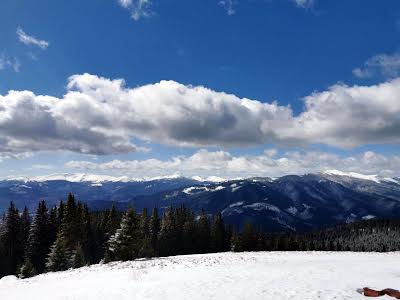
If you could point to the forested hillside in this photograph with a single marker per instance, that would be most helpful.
(70, 236)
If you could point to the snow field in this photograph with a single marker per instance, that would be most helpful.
(256, 275)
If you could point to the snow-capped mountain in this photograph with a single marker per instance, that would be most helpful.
(287, 203)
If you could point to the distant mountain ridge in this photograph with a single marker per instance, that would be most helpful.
(287, 203)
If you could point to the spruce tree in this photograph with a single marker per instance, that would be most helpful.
(248, 238)
(168, 236)
(218, 234)
(59, 258)
(154, 228)
(125, 243)
(203, 233)
(38, 240)
(27, 270)
(78, 257)
(13, 249)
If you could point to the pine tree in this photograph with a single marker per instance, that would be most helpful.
(78, 257)
(59, 258)
(38, 240)
(11, 236)
(146, 247)
(154, 229)
(236, 242)
(168, 236)
(112, 222)
(203, 232)
(218, 234)
(248, 238)
(27, 270)
(25, 226)
(125, 243)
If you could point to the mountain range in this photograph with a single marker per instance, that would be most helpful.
(287, 203)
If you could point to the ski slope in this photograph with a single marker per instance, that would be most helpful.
(259, 275)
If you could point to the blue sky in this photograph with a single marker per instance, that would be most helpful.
(275, 50)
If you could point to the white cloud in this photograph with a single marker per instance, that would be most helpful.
(229, 6)
(26, 39)
(102, 116)
(304, 3)
(382, 64)
(220, 163)
(137, 8)
(9, 62)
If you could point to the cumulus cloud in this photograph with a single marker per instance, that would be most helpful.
(382, 64)
(220, 163)
(351, 116)
(30, 123)
(137, 8)
(26, 39)
(103, 116)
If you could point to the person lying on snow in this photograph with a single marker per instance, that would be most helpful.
(374, 293)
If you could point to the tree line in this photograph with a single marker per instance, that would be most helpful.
(70, 236)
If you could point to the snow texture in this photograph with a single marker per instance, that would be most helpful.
(259, 275)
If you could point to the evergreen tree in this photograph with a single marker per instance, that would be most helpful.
(78, 257)
(27, 270)
(218, 234)
(236, 242)
(154, 228)
(24, 227)
(125, 244)
(38, 240)
(248, 238)
(12, 246)
(59, 258)
(203, 232)
(168, 236)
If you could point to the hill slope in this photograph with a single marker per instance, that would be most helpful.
(262, 275)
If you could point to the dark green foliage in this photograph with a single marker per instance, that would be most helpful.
(12, 244)
(218, 234)
(38, 240)
(125, 243)
(78, 257)
(27, 270)
(59, 258)
(168, 235)
(154, 229)
(249, 241)
(203, 233)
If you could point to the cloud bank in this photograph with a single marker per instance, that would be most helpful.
(103, 116)
(221, 163)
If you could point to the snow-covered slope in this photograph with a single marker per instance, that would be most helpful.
(374, 178)
(255, 276)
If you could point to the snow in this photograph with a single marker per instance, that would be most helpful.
(368, 217)
(374, 178)
(195, 189)
(240, 203)
(292, 210)
(263, 206)
(209, 179)
(218, 188)
(258, 275)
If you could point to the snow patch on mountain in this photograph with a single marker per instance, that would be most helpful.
(263, 206)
